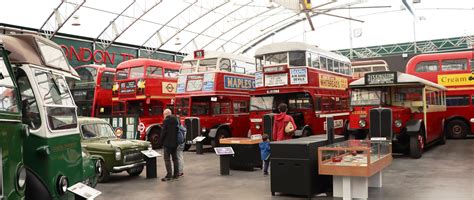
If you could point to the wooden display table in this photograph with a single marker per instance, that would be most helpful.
(355, 165)
(246, 153)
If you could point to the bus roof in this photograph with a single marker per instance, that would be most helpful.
(364, 63)
(110, 69)
(25, 49)
(297, 46)
(147, 61)
(220, 54)
(402, 78)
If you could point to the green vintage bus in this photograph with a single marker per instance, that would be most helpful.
(12, 134)
(52, 152)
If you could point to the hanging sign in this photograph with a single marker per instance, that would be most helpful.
(378, 78)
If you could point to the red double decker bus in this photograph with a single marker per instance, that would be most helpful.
(145, 87)
(311, 81)
(93, 92)
(213, 91)
(454, 71)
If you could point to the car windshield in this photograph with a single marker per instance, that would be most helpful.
(60, 107)
(101, 130)
(366, 96)
(261, 103)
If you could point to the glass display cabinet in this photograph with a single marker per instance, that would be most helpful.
(361, 158)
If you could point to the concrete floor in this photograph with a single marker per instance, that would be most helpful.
(444, 172)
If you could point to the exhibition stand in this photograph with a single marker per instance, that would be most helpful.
(150, 158)
(225, 155)
(247, 152)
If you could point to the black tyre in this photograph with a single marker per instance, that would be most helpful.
(154, 138)
(104, 175)
(417, 145)
(186, 147)
(222, 133)
(135, 171)
(306, 132)
(457, 129)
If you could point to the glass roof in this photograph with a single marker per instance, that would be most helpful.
(240, 26)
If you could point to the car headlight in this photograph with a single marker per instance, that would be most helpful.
(398, 123)
(21, 177)
(62, 184)
(203, 129)
(257, 127)
(362, 123)
(118, 154)
(98, 167)
(150, 147)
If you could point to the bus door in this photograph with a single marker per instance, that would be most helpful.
(434, 114)
(241, 121)
(12, 134)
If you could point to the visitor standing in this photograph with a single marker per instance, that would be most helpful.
(284, 126)
(265, 153)
(169, 139)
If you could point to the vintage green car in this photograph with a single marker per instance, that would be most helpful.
(116, 155)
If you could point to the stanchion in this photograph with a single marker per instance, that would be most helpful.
(225, 164)
(199, 148)
(151, 171)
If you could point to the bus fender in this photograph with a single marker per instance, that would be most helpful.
(148, 130)
(35, 187)
(213, 131)
(413, 127)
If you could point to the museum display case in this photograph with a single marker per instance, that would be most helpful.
(354, 157)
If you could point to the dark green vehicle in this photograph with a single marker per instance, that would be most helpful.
(116, 155)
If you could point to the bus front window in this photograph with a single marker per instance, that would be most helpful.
(122, 74)
(261, 103)
(107, 80)
(87, 75)
(364, 97)
(207, 65)
(137, 72)
(276, 59)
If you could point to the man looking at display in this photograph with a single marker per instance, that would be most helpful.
(169, 140)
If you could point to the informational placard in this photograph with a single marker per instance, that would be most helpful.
(194, 85)
(256, 137)
(378, 139)
(199, 139)
(298, 76)
(337, 124)
(220, 151)
(150, 153)
(181, 85)
(276, 79)
(378, 78)
(332, 82)
(127, 87)
(258, 79)
(239, 83)
(168, 87)
(84, 191)
(208, 82)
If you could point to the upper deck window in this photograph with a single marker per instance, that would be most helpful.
(171, 73)
(122, 74)
(107, 80)
(137, 72)
(87, 75)
(276, 59)
(427, 66)
(153, 72)
(297, 58)
(207, 65)
(224, 65)
(454, 65)
(53, 56)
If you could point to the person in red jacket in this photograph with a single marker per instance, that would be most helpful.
(280, 122)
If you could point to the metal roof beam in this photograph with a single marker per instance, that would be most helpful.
(56, 20)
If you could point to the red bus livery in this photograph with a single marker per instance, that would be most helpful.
(418, 108)
(145, 87)
(213, 90)
(453, 70)
(311, 81)
(93, 92)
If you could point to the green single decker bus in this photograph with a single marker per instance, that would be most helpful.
(52, 152)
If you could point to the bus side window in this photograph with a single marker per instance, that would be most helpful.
(224, 65)
(315, 61)
(225, 108)
(107, 80)
(427, 66)
(171, 73)
(323, 63)
(317, 103)
(8, 102)
(240, 107)
(153, 72)
(454, 65)
(30, 108)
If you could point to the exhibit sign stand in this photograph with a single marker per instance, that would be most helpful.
(82, 191)
(349, 187)
(150, 157)
(225, 154)
(198, 140)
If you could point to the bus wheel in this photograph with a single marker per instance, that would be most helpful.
(306, 133)
(417, 144)
(457, 129)
(154, 138)
(222, 133)
(186, 147)
(104, 174)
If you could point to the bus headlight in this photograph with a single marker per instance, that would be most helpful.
(203, 129)
(257, 126)
(398, 123)
(62, 184)
(118, 154)
(362, 123)
(21, 177)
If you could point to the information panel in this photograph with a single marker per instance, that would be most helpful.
(258, 79)
(298, 76)
(240, 83)
(208, 82)
(276, 79)
(181, 86)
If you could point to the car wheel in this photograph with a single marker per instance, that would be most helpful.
(135, 171)
(222, 133)
(104, 175)
(417, 145)
(457, 129)
(154, 138)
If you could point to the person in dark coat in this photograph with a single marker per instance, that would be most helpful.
(169, 140)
